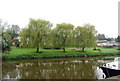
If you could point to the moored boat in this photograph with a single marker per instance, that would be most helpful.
(112, 68)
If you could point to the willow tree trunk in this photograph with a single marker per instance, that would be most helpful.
(94, 48)
(37, 50)
(38, 40)
(63, 49)
(83, 48)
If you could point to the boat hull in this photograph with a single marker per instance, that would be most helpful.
(110, 72)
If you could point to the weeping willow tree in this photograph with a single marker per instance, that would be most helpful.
(38, 32)
(36, 35)
(63, 33)
(47, 41)
(85, 36)
(24, 34)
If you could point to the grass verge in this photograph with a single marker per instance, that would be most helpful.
(29, 53)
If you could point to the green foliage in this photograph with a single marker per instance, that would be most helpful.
(15, 29)
(63, 34)
(37, 34)
(24, 34)
(85, 36)
(48, 40)
(6, 41)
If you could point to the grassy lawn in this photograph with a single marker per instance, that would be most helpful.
(23, 53)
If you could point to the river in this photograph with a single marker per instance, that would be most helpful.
(55, 69)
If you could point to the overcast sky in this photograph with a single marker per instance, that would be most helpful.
(103, 14)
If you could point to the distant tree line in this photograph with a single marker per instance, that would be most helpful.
(40, 34)
(103, 37)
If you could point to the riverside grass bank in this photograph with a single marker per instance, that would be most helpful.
(29, 53)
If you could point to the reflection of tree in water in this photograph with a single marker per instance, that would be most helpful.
(54, 70)
(10, 71)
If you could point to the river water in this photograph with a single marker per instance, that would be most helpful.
(57, 69)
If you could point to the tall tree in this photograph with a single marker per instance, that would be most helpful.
(10, 32)
(6, 41)
(85, 36)
(63, 33)
(38, 31)
(16, 30)
(24, 37)
(5, 38)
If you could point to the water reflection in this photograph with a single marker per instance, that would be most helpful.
(100, 74)
(74, 69)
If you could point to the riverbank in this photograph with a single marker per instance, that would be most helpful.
(29, 53)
